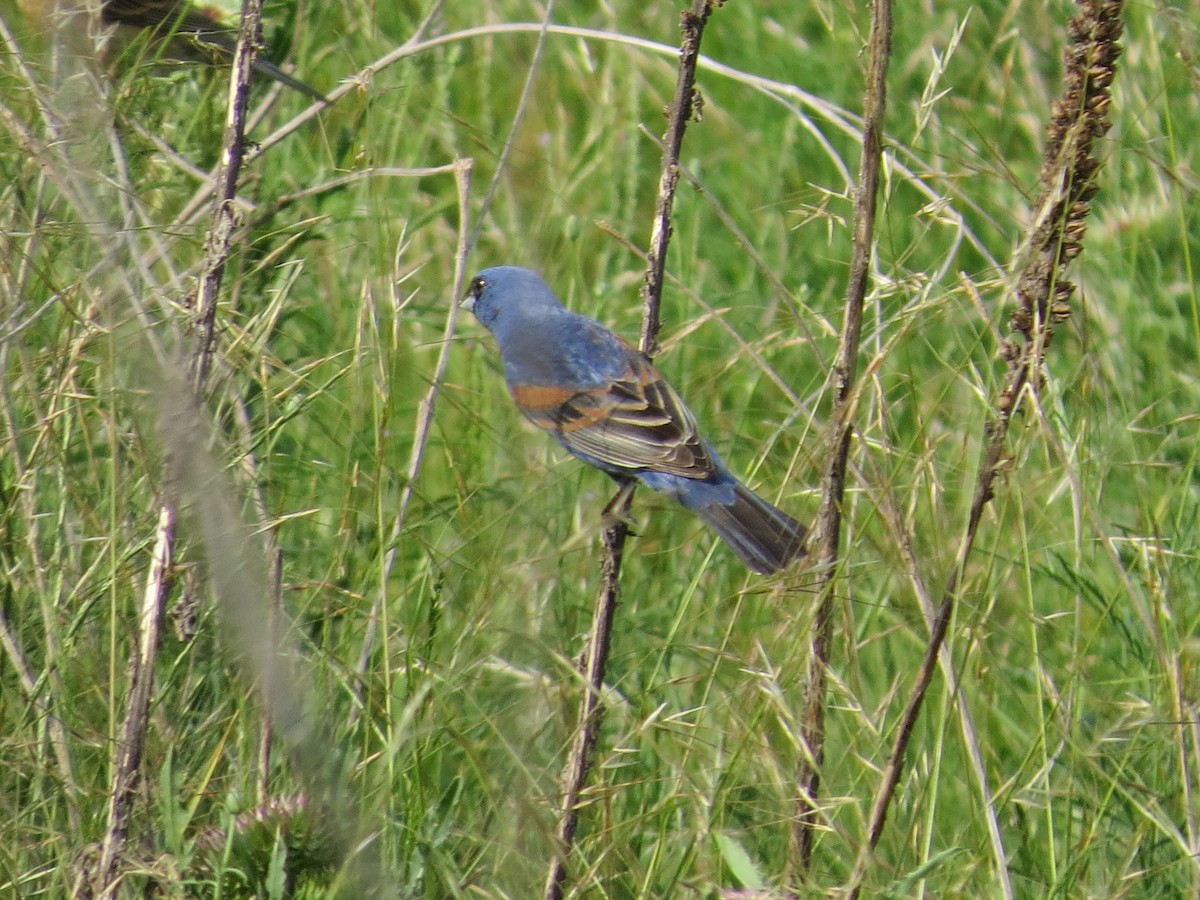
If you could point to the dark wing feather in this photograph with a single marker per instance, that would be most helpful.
(636, 422)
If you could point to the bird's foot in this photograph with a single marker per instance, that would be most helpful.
(617, 510)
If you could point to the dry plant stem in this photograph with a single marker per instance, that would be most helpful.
(274, 619)
(218, 247)
(130, 271)
(238, 575)
(462, 169)
(683, 106)
(137, 706)
(35, 691)
(273, 553)
(58, 166)
(591, 713)
(531, 72)
(829, 518)
(1079, 119)
(594, 661)
(885, 501)
(224, 218)
(462, 178)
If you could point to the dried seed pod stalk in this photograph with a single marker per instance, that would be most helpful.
(1080, 118)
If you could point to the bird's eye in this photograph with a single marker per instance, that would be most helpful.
(477, 287)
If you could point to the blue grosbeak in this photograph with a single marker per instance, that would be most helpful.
(606, 404)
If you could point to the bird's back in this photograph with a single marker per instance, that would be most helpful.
(566, 349)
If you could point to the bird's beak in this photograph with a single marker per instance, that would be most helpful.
(467, 302)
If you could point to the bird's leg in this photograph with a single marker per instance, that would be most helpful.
(617, 509)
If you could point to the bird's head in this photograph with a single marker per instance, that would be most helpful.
(504, 297)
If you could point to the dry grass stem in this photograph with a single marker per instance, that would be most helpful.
(1079, 119)
(594, 660)
(809, 815)
(219, 243)
(128, 751)
(462, 180)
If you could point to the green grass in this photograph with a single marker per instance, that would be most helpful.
(1074, 641)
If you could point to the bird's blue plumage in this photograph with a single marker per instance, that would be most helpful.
(606, 404)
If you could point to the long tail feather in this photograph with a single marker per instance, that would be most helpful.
(767, 539)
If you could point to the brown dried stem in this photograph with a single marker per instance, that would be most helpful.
(679, 113)
(594, 660)
(224, 217)
(218, 248)
(1079, 119)
(829, 518)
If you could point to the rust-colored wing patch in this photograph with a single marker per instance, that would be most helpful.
(635, 422)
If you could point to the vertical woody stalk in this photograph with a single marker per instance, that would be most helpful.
(1078, 120)
(829, 518)
(218, 249)
(594, 660)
